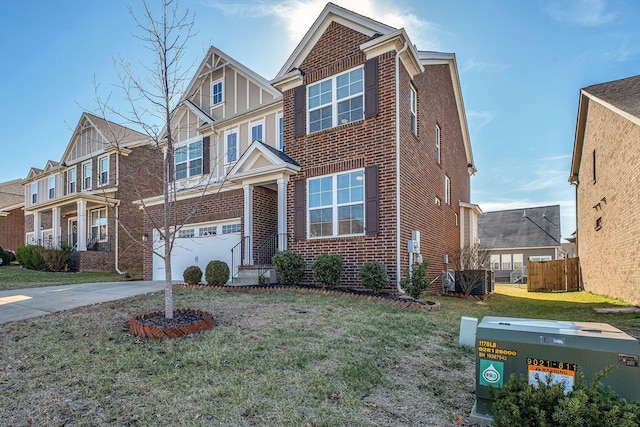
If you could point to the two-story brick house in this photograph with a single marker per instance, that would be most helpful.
(369, 144)
(86, 199)
(604, 169)
(11, 215)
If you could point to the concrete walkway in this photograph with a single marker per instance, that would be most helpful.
(25, 303)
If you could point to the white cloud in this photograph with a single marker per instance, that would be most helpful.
(297, 16)
(624, 51)
(479, 119)
(580, 12)
(472, 65)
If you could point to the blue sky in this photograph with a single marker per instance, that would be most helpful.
(521, 65)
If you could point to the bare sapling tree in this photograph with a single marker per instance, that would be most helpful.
(470, 262)
(152, 98)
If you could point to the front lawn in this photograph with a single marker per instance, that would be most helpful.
(272, 359)
(15, 277)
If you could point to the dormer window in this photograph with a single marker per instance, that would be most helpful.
(216, 92)
(336, 101)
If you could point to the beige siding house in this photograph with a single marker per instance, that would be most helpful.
(605, 171)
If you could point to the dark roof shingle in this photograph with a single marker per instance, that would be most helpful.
(521, 228)
(623, 94)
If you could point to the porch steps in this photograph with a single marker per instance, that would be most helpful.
(250, 275)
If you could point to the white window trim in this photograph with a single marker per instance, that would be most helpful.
(438, 144)
(186, 143)
(213, 84)
(226, 152)
(106, 226)
(447, 190)
(253, 125)
(84, 176)
(34, 194)
(101, 182)
(335, 206)
(49, 187)
(413, 108)
(279, 131)
(334, 100)
(75, 180)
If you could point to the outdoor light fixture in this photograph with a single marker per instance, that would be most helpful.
(145, 237)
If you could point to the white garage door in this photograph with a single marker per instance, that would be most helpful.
(197, 245)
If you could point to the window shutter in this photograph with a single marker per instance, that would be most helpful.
(205, 155)
(371, 88)
(300, 210)
(372, 204)
(298, 111)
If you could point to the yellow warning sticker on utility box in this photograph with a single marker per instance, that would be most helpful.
(547, 375)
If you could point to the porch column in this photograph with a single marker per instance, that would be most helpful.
(37, 222)
(82, 225)
(248, 224)
(282, 213)
(55, 225)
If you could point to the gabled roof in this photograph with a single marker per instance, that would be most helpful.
(261, 159)
(620, 96)
(329, 14)
(521, 228)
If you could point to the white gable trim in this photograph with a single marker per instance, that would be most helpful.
(249, 157)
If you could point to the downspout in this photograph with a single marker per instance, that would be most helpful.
(117, 234)
(398, 268)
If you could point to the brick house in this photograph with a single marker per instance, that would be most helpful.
(516, 236)
(368, 144)
(604, 169)
(86, 199)
(11, 215)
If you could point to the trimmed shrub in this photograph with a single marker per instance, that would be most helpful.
(327, 269)
(30, 256)
(217, 273)
(545, 404)
(374, 276)
(416, 280)
(57, 259)
(192, 275)
(289, 267)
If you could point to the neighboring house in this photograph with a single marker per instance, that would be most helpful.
(605, 170)
(517, 236)
(11, 215)
(359, 141)
(86, 199)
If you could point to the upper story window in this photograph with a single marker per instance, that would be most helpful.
(256, 132)
(216, 92)
(335, 101)
(438, 146)
(413, 108)
(594, 166)
(86, 175)
(103, 164)
(71, 180)
(188, 160)
(280, 134)
(232, 147)
(34, 192)
(336, 204)
(447, 190)
(51, 185)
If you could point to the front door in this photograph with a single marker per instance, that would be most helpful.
(73, 232)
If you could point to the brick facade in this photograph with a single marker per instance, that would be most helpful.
(12, 230)
(609, 254)
(265, 217)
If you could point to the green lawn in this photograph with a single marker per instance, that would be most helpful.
(16, 277)
(272, 359)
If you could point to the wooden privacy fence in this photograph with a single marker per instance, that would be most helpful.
(554, 276)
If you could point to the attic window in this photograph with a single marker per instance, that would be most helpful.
(216, 92)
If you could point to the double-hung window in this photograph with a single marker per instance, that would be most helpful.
(98, 224)
(256, 132)
(413, 109)
(336, 204)
(216, 92)
(447, 190)
(34, 192)
(438, 147)
(51, 181)
(71, 180)
(280, 135)
(335, 101)
(103, 164)
(188, 160)
(86, 175)
(232, 147)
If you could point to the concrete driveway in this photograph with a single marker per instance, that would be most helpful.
(25, 303)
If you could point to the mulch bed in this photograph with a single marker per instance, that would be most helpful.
(184, 322)
(383, 297)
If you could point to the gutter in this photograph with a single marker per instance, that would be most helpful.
(398, 242)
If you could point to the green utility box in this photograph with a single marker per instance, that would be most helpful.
(542, 348)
